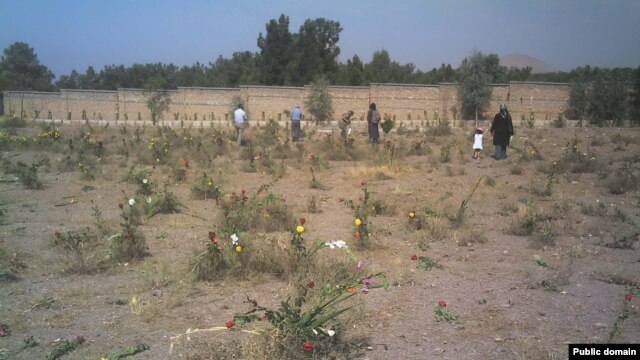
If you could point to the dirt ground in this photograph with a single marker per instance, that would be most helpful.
(517, 297)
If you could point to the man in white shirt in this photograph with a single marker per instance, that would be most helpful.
(239, 120)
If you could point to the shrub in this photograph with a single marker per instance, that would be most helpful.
(28, 175)
(13, 122)
(206, 188)
(360, 208)
(622, 181)
(75, 244)
(263, 211)
(129, 243)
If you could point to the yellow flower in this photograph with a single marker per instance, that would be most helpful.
(358, 222)
(238, 249)
(133, 301)
(300, 229)
(412, 214)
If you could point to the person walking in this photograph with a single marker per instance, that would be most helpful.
(477, 143)
(373, 119)
(296, 116)
(239, 122)
(502, 132)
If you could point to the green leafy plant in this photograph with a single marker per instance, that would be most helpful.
(458, 218)
(206, 188)
(361, 229)
(65, 347)
(542, 263)
(129, 243)
(130, 351)
(426, 263)
(444, 313)
(550, 285)
(28, 175)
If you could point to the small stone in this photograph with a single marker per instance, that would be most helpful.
(498, 339)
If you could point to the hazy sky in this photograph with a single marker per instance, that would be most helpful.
(74, 34)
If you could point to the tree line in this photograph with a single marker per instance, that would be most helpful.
(288, 58)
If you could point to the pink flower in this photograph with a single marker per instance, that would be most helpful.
(360, 264)
(367, 282)
(628, 297)
(365, 290)
(363, 182)
(442, 303)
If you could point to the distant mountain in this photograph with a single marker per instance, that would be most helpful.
(522, 61)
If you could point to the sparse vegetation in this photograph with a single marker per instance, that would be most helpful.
(305, 274)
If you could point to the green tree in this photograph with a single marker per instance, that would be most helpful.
(635, 99)
(319, 102)
(158, 98)
(89, 80)
(608, 100)
(70, 81)
(22, 70)
(474, 91)
(496, 73)
(379, 69)
(351, 73)
(578, 102)
(314, 51)
(275, 51)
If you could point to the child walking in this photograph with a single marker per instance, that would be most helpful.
(477, 143)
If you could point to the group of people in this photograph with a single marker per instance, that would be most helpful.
(373, 119)
(502, 132)
(501, 128)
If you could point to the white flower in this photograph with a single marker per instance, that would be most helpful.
(132, 201)
(144, 181)
(314, 331)
(335, 244)
(328, 331)
(234, 239)
(148, 200)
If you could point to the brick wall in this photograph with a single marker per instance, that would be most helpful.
(404, 102)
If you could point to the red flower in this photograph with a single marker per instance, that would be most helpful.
(311, 284)
(363, 182)
(214, 238)
(442, 303)
(302, 221)
(243, 192)
(229, 324)
(121, 206)
(130, 236)
(414, 257)
(308, 346)
(628, 297)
